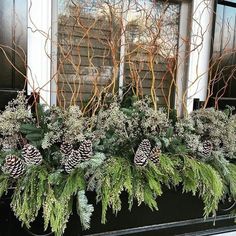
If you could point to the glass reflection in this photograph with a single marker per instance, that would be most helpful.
(224, 52)
(97, 38)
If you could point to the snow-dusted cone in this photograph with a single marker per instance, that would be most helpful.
(86, 149)
(207, 148)
(142, 153)
(66, 148)
(155, 154)
(31, 155)
(72, 161)
(13, 166)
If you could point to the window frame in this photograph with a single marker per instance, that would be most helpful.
(227, 3)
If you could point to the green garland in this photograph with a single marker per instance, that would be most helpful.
(116, 133)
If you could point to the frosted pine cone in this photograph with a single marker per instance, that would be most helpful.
(155, 154)
(66, 148)
(86, 150)
(142, 153)
(31, 155)
(207, 147)
(13, 166)
(72, 161)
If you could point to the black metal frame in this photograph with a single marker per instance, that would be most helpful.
(173, 225)
(184, 227)
(227, 3)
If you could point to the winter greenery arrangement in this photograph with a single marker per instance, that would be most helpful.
(51, 158)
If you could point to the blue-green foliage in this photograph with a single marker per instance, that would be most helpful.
(116, 132)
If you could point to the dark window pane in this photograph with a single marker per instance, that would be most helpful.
(13, 27)
(6, 36)
(224, 52)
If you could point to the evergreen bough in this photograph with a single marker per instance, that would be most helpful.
(115, 134)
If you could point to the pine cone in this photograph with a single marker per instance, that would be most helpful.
(31, 155)
(86, 150)
(66, 148)
(72, 161)
(155, 154)
(207, 148)
(13, 166)
(142, 153)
